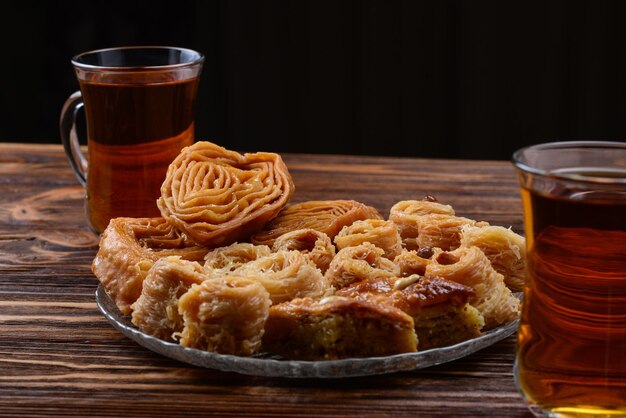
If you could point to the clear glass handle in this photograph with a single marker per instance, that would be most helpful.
(69, 136)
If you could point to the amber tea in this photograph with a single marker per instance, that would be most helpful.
(139, 104)
(571, 358)
(135, 131)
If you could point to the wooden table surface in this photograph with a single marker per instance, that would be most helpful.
(60, 357)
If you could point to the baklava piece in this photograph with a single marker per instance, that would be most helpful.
(504, 248)
(406, 213)
(327, 216)
(128, 249)
(156, 310)
(413, 262)
(314, 244)
(286, 275)
(440, 310)
(224, 260)
(217, 196)
(429, 224)
(381, 233)
(353, 264)
(224, 315)
(471, 267)
(337, 327)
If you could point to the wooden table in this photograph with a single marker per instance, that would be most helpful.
(59, 356)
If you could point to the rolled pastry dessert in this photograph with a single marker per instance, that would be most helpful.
(429, 224)
(128, 249)
(327, 216)
(412, 262)
(217, 196)
(224, 260)
(353, 264)
(504, 248)
(224, 315)
(314, 244)
(156, 310)
(286, 275)
(471, 267)
(381, 233)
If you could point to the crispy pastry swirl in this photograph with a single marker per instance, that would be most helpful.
(217, 196)
(314, 244)
(128, 249)
(327, 216)
(383, 234)
(471, 267)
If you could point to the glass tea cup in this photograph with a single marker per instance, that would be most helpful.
(139, 104)
(571, 346)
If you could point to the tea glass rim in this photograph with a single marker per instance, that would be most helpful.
(199, 59)
(518, 161)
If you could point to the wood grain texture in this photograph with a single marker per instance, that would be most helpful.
(59, 357)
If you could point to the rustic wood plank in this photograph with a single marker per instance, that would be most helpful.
(59, 356)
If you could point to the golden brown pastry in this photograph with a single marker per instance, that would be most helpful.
(439, 308)
(156, 310)
(224, 260)
(504, 248)
(406, 213)
(314, 244)
(353, 264)
(286, 275)
(128, 249)
(337, 327)
(327, 216)
(218, 197)
(442, 231)
(224, 315)
(471, 267)
(381, 233)
(412, 262)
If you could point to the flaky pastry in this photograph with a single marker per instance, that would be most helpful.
(353, 264)
(471, 267)
(224, 260)
(286, 275)
(224, 315)
(155, 312)
(439, 308)
(381, 233)
(504, 248)
(337, 327)
(217, 196)
(327, 216)
(128, 249)
(314, 244)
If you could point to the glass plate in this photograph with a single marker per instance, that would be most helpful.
(265, 364)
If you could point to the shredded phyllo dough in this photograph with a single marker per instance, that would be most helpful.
(383, 234)
(504, 248)
(231, 269)
(327, 216)
(224, 315)
(314, 244)
(217, 196)
(364, 261)
(156, 310)
(128, 249)
(470, 267)
(224, 260)
(286, 275)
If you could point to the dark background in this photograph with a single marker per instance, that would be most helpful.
(466, 79)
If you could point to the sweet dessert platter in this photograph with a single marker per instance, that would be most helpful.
(233, 271)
